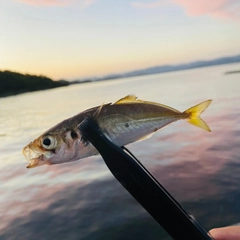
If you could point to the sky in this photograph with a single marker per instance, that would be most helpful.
(75, 39)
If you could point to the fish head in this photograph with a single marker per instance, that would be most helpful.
(54, 147)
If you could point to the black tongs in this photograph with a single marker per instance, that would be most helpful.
(141, 184)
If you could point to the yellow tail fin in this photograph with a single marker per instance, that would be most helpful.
(194, 115)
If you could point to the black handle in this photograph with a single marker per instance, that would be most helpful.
(140, 183)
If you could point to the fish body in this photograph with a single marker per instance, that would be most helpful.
(126, 121)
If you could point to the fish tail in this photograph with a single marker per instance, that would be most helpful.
(194, 115)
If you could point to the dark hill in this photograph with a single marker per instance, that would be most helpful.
(12, 83)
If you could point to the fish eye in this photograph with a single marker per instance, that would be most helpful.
(49, 142)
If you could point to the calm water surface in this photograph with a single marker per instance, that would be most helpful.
(81, 200)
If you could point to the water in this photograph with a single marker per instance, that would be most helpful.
(81, 200)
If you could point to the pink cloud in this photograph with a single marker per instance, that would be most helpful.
(50, 3)
(46, 2)
(214, 8)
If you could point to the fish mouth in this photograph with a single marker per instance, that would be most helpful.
(34, 157)
(35, 163)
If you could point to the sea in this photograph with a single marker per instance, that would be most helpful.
(82, 200)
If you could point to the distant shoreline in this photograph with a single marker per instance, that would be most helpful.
(13, 83)
(231, 72)
(165, 69)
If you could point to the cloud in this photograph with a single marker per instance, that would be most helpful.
(46, 2)
(58, 3)
(214, 8)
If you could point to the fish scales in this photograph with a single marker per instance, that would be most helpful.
(135, 120)
(127, 120)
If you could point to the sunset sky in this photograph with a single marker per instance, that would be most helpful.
(73, 39)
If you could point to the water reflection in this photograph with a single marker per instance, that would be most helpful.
(81, 200)
(78, 211)
(103, 209)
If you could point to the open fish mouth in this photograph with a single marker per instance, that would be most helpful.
(30, 153)
(35, 158)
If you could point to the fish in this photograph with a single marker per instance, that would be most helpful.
(126, 121)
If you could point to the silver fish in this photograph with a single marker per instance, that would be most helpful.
(126, 121)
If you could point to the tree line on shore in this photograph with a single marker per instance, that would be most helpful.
(12, 83)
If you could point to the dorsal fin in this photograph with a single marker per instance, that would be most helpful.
(127, 99)
(97, 112)
(133, 99)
